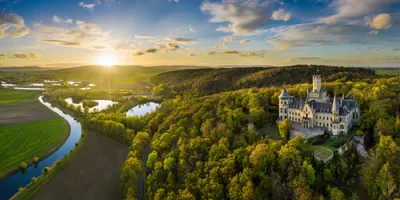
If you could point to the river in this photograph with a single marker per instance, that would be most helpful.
(10, 185)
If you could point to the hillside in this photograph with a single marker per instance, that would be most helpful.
(200, 82)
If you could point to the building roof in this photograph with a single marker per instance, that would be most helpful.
(284, 93)
(343, 105)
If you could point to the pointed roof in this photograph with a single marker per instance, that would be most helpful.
(335, 105)
(284, 94)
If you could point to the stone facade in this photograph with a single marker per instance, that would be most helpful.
(318, 110)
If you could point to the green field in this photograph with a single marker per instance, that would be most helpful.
(323, 153)
(17, 96)
(388, 72)
(22, 142)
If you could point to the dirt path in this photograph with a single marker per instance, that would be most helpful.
(93, 173)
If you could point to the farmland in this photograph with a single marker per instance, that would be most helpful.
(28, 129)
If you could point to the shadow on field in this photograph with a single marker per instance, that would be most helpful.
(93, 173)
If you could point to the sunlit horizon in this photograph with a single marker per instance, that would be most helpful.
(163, 32)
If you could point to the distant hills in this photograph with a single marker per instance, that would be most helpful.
(199, 82)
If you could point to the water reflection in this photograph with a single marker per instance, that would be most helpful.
(102, 104)
(142, 109)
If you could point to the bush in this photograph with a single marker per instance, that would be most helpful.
(34, 179)
(76, 144)
(35, 159)
(46, 170)
(20, 189)
(24, 165)
(359, 133)
(89, 103)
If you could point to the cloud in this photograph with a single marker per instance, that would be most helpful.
(347, 9)
(230, 52)
(396, 49)
(83, 34)
(228, 39)
(243, 17)
(210, 53)
(143, 37)
(191, 54)
(28, 55)
(190, 49)
(120, 48)
(3, 57)
(244, 41)
(58, 20)
(381, 21)
(176, 1)
(373, 32)
(12, 25)
(138, 53)
(191, 29)
(151, 50)
(171, 46)
(184, 41)
(316, 34)
(218, 46)
(251, 54)
(63, 42)
(99, 47)
(87, 6)
(280, 15)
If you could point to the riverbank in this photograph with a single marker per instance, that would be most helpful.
(28, 129)
(35, 185)
(10, 185)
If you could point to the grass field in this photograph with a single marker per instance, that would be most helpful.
(388, 72)
(22, 142)
(17, 96)
(323, 153)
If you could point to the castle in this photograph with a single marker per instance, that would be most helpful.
(318, 112)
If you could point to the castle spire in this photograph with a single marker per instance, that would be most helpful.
(334, 105)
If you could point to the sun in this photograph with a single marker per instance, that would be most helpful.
(107, 60)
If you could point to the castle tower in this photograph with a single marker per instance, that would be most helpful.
(284, 100)
(317, 83)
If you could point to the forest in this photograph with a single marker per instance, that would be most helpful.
(200, 82)
(208, 144)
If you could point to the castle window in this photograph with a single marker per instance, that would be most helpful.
(285, 102)
(323, 118)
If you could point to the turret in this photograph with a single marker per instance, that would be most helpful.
(317, 83)
(284, 100)
(335, 110)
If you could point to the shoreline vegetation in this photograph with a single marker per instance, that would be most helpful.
(38, 182)
(49, 172)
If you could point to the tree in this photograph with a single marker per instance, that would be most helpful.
(129, 174)
(336, 194)
(151, 159)
(328, 175)
(24, 165)
(284, 129)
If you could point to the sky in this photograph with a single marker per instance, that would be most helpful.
(65, 33)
